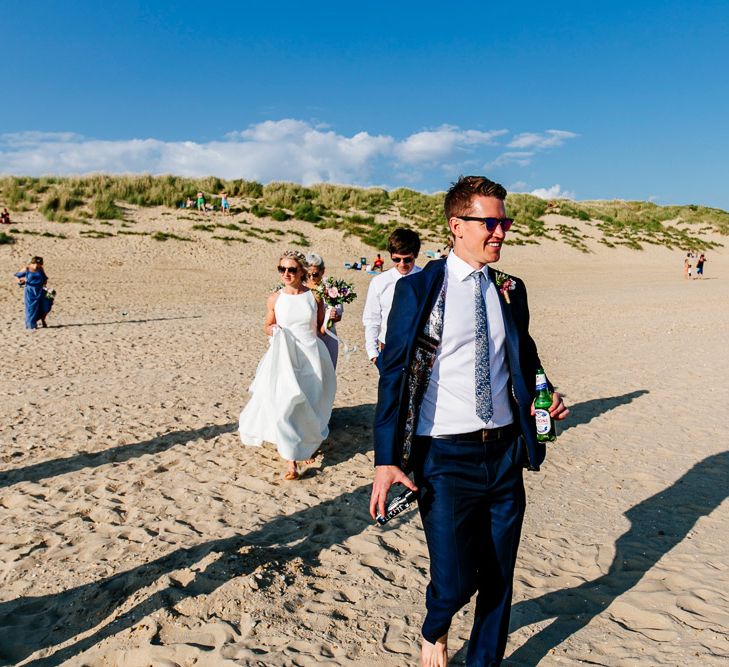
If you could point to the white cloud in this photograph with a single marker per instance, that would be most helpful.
(554, 192)
(287, 149)
(436, 145)
(21, 139)
(521, 158)
(540, 141)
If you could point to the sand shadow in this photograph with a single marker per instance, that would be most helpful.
(350, 433)
(657, 525)
(585, 412)
(124, 321)
(46, 469)
(29, 624)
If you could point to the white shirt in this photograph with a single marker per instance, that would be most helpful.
(449, 404)
(377, 308)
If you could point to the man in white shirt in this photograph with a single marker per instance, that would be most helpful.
(455, 407)
(403, 246)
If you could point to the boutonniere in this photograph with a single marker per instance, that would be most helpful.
(505, 283)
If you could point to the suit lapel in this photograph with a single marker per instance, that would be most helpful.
(512, 335)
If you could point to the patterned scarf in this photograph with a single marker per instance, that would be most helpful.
(426, 345)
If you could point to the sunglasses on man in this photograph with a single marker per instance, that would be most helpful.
(291, 270)
(490, 223)
(405, 260)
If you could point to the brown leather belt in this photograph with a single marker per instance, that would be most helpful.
(482, 435)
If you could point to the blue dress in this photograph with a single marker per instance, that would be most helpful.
(37, 305)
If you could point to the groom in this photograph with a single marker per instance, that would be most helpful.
(454, 406)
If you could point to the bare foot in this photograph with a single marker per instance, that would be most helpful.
(434, 655)
(292, 471)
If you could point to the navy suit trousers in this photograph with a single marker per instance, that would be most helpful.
(472, 504)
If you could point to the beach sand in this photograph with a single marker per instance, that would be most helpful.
(137, 530)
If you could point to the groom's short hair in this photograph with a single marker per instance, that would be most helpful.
(458, 199)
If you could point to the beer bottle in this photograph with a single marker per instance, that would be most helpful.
(546, 430)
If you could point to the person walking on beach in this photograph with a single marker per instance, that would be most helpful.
(200, 202)
(293, 391)
(700, 266)
(403, 246)
(315, 275)
(457, 384)
(37, 304)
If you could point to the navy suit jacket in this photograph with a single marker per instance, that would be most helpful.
(414, 299)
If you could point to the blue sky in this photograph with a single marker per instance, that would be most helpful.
(592, 100)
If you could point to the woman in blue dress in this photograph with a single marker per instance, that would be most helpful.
(37, 304)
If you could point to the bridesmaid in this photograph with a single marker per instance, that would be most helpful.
(315, 277)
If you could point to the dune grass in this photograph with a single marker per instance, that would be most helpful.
(169, 236)
(367, 213)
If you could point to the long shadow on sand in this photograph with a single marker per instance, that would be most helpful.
(39, 471)
(125, 321)
(585, 412)
(657, 524)
(32, 623)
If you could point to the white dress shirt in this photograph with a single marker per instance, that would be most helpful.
(377, 308)
(449, 404)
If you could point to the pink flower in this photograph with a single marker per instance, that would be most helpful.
(333, 292)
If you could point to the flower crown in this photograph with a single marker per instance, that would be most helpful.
(296, 256)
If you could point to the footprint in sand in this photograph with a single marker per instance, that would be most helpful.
(393, 641)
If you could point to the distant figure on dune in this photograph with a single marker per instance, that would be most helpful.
(5, 217)
(224, 203)
(378, 264)
(295, 383)
(700, 266)
(686, 267)
(200, 202)
(315, 275)
(37, 302)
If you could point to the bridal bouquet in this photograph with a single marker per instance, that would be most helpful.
(334, 292)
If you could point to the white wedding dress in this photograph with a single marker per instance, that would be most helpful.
(295, 383)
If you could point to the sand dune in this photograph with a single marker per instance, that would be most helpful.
(138, 531)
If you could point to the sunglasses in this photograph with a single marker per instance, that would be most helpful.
(404, 260)
(314, 274)
(490, 223)
(291, 270)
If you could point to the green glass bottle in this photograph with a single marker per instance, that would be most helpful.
(546, 430)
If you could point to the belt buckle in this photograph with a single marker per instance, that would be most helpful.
(491, 433)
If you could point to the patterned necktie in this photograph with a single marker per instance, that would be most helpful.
(484, 405)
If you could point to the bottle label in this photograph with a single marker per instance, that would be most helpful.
(544, 421)
(541, 382)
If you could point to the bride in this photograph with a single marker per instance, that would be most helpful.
(295, 383)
